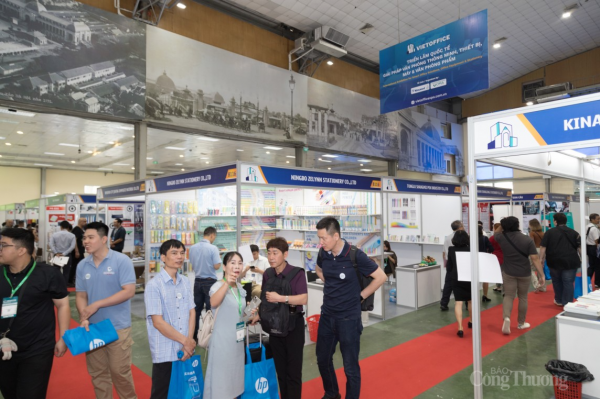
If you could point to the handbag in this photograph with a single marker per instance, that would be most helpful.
(79, 340)
(187, 381)
(260, 379)
(204, 332)
(579, 289)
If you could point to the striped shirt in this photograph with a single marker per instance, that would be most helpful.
(173, 302)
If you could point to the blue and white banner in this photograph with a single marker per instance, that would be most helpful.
(133, 188)
(527, 197)
(493, 192)
(305, 178)
(559, 197)
(443, 63)
(412, 186)
(191, 180)
(578, 122)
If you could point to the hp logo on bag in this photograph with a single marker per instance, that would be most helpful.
(195, 363)
(262, 385)
(96, 343)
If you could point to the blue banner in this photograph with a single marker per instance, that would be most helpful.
(443, 63)
(527, 197)
(493, 192)
(133, 188)
(559, 197)
(306, 178)
(199, 178)
(411, 186)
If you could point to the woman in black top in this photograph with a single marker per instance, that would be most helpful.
(392, 260)
(461, 289)
(485, 246)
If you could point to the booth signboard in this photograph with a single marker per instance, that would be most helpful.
(492, 192)
(32, 203)
(138, 187)
(206, 177)
(307, 178)
(443, 63)
(527, 197)
(420, 187)
(574, 123)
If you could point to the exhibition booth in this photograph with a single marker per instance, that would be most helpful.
(15, 211)
(542, 206)
(541, 139)
(32, 211)
(492, 204)
(417, 216)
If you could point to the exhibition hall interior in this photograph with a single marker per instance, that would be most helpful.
(455, 144)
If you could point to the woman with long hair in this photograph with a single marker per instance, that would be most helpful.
(391, 261)
(461, 289)
(536, 232)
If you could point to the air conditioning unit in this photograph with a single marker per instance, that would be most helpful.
(553, 92)
(328, 40)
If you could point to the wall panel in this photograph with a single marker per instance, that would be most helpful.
(19, 184)
(581, 70)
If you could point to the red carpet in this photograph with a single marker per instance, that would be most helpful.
(424, 362)
(70, 379)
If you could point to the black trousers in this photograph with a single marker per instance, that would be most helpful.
(288, 354)
(161, 378)
(594, 263)
(26, 378)
(448, 287)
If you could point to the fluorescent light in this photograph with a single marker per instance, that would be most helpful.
(362, 164)
(68, 145)
(270, 147)
(330, 156)
(529, 102)
(90, 152)
(364, 160)
(566, 14)
(19, 132)
(183, 170)
(73, 193)
(42, 164)
(207, 162)
(175, 148)
(497, 45)
(121, 164)
(324, 160)
(328, 168)
(111, 142)
(133, 167)
(123, 127)
(181, 5)
(287, 161)
(56, 193)
(4, 138)
(104, 169)
(290, 156)
(158, 173)
(204, 158)
(72, 161)
(7, 143)
(366, 170)
(240, 150)
(206, 138)
(181, 156)
(329, 62)
(11, 111)
(178, 164)
(149, 158)
(54, 153)
(268, 152)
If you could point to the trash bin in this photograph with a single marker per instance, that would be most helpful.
(567, 378)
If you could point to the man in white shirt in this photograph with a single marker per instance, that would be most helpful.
(592, 236)
(63, 243)
(256, 268)
(448, 282)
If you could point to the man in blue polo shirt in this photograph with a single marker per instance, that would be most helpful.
(206, 261)
(105, 284)
(340, 314)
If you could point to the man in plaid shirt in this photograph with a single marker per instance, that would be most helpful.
(170, 317)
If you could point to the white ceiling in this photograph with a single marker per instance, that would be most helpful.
(536, 34)
(112, 144)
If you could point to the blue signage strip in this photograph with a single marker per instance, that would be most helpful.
(443, 63)
(559, 197)
(307, 178)
(527, 197)
(411, 186)
(493, 192)
(138, 187)
(196, 179)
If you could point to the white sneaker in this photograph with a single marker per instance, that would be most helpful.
(506, 326)
(556, 303)
(523, 326)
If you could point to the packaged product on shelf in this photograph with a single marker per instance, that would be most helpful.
(190, 223)
(167, 207)
(173, 222)
(179, 208)
(183, 239)
(152, 266)
(195, 207)
(188, 238)
(152, 207)
(179, 235)
(184, 207)
(173, 207)
(153, 220)
(159, 222)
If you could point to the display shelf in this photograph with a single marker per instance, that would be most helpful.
(343, 231)
(318, 215)
(216, 216)
(304, 249)
(259, 229)
(417, 243)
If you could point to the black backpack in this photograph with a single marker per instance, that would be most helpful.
(369, 303)
(275, 317)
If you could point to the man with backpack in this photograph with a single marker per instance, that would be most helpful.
(560, 248)
(342, 267)
(284, 292)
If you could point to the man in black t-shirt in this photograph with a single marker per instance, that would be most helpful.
(560, 247)
(28, 330)
(117, 238)
(78, 232)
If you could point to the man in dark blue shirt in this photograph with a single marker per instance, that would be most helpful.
(340, 314)
(117, 238)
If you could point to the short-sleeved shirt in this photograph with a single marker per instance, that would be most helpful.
(592, 234)
(261, 263)
(114, 272)
(515, 264)
(341, 294)
(561, 243)
(298, 283)
(204, 256)
(119, 233)
(34, 327)
(62, 242)
(173, 301)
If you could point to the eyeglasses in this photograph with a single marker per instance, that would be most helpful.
(3, 245)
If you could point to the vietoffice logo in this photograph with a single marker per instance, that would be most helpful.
(502, 136)
(261, 385)
(410, 49)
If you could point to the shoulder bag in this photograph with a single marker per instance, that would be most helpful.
(513, 245)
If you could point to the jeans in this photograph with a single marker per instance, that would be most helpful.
(515, 286)
(563, 282)
(594, 263)
(201, 297)
(347, 332)
(288, 355)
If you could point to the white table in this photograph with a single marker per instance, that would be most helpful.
(417, 287)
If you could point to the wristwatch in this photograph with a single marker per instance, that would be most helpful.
(287, 300)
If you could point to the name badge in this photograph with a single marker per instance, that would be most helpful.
(239, 331)
(9, 307)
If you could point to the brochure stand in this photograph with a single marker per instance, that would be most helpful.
(417, 219)
(526, 139)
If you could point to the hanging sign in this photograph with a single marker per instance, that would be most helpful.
(305, 178)
(443, 63)
(559, 197)
(527, 197)
(138, 187)
(32, 203)
(199, 178)
(412, 186)
(493, 192)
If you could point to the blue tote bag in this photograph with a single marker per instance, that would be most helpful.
(579, 289)
(260, 380)
(79, 340)
(187, 381)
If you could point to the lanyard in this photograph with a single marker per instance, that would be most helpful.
(14, 290)
(238, 298)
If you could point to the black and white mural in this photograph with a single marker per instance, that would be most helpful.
(64, 54)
